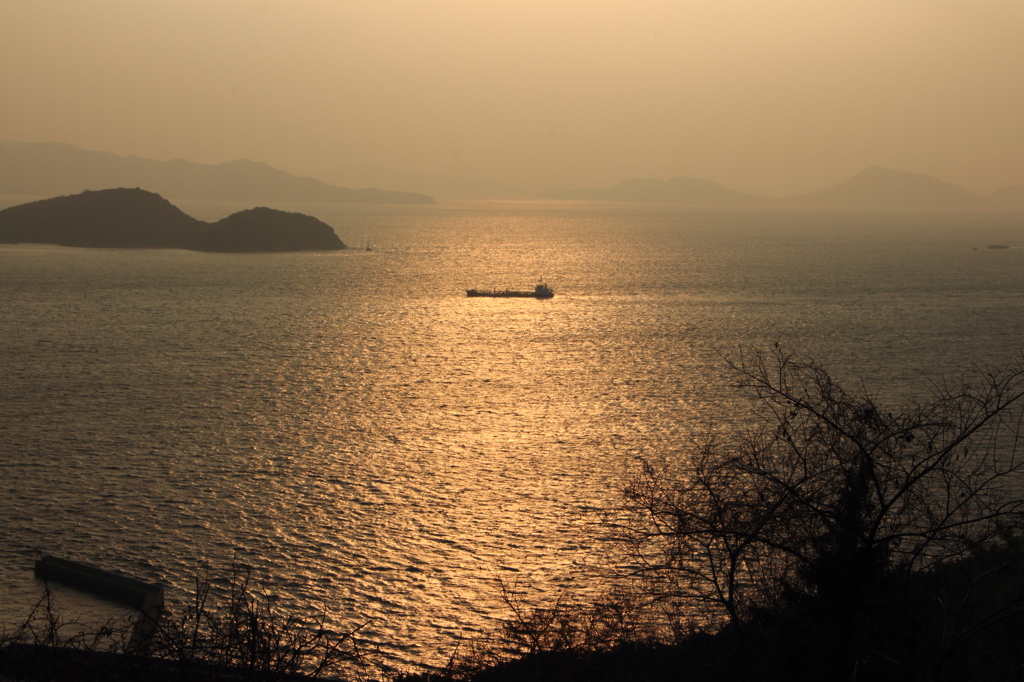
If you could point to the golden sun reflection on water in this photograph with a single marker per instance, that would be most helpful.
(484, 430)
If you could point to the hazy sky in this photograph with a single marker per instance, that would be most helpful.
(775, 97)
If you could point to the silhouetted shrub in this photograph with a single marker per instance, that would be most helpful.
(833, 523)
(242, 631)
(233, 634)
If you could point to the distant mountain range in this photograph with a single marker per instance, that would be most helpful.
(883, 187)
(442, 187)
(50, 169)
(872, 188)
(676, 190)
(135, 218)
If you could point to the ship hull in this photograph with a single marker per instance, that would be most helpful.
(508, 294)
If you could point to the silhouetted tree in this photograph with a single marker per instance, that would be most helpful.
(823, 521)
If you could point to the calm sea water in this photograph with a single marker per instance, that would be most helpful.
(364, 436)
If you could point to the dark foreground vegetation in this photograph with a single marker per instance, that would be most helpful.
(835, 539)
(229, 631)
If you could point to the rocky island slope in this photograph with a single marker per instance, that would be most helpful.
(135, 218)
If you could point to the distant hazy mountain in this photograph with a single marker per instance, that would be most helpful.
(882, 187)
(1011, 196)
(48, 169)
(873, 188)
(135, 218)
(438, 186)
(676, 190)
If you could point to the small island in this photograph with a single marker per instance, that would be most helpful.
(135, 218)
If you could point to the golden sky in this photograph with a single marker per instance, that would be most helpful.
(775, 97)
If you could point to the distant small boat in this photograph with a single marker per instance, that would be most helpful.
(998, 246)
(540, 291)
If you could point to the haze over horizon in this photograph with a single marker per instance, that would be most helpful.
(777, 99)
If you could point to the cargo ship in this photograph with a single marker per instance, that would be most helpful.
(540, 291)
